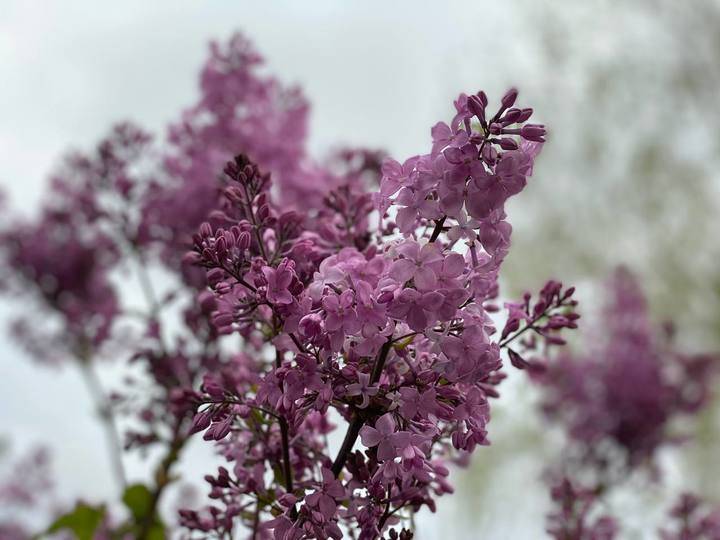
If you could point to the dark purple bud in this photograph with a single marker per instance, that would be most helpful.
(475, 105)
(511, 117)
(518, 361)
(263, 212)
(209, 255)
(568, 293)
(218, 431)
(496, 129)
(243, 241)
(223, 287)
(207, 301)
(191, 258)
(229, 239)
(525, 115)
(221, 247)
(287, 500)
(205, 229)
(533, 132)
(219, 215)
(223, 319)
(483, 98)
(508, 144)
(201, 420)
(216, 275)
(235, 194)
(490, 391)
(509, 98)
(539, 308)
(231, 169)
(554, 340)
(511, 326)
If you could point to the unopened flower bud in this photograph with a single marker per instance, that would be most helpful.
(533, 132)
(205, 229)
(509, 98)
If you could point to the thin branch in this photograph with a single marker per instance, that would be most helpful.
(438, 228)
(529, 325)
(357, 421)
(287, 468)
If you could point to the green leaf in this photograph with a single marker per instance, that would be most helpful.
(138, 499)
(156, 532)
(83, 521)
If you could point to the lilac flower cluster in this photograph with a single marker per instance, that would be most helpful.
(622, 393)
(66, 254)
(242, 109)
(616, 402)
(392, 333)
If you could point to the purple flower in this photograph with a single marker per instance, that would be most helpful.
(278, 283)
(340, 314)
(324, 498)
(417, 263)
(362, 388)
(418, 309)
(381, 436)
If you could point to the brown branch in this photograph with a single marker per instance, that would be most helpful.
(287, 469)
(357, 421)
(438, 228)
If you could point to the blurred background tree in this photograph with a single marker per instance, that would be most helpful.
(630, 175)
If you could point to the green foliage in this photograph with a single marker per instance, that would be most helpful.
(139, 500)
(83, 521)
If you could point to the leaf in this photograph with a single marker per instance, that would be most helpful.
(156, 532)
(83, 521)
(138, 499)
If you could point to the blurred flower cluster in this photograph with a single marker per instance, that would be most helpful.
(620, 400)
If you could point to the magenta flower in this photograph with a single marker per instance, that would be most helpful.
(329, 274)
(325, 497)
(381, 436)
(417, 263)
(414, 403)
(340, 314)
(278, 283)
(363, 388)
(418, 309)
